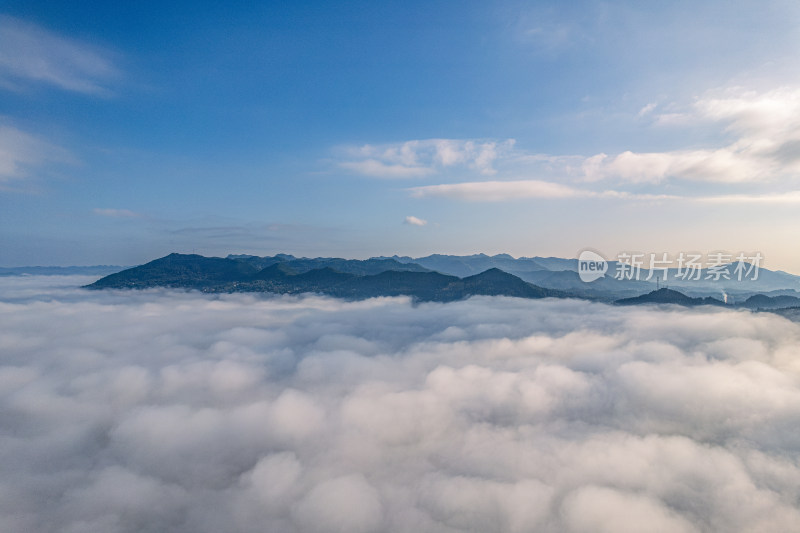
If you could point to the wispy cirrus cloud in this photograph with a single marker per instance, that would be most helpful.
(500, 191)
(725, 165)
(21, 153)
(32, 54)
(380, 169)
(785, 198)
(497, 191)
(419, 158)
(763, 132)
(493, 191)
(414, 221)
(116, 213)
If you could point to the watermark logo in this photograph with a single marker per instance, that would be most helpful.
(591, 266)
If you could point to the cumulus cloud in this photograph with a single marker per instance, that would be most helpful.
(414, 221)
(418, 158)
(29, 53)
(164, 410)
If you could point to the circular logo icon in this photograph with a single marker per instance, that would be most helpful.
(591, 266)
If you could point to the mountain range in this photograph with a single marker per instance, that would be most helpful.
(562, 274)
(335, 277)
(443, 278)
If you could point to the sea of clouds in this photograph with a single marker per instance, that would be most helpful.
(151, 411)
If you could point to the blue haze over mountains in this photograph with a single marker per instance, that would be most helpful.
(562, 274)
(440, 277)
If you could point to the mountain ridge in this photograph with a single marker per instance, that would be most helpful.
(669, 296)
(291, 276)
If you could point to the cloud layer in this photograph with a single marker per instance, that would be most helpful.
(154, 411)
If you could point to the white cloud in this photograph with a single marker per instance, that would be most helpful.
(761, 144)
(501, 191)
(646, 110)
(721, 165)
(414, 221)
(346, 504)
(767, 114)
(791, 197)
(162, 410)
(493, 191)
(605, 510)
(419, 158)
(21, 153)
(378, 169)
(759, 132)
(29, 53)
(765, 147)
(497, 191)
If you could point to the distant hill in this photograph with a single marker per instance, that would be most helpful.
(338, 277)
(179, 270)
(605, 288)
(495, 281)
(668, 296)
(761, 301)
(792, 313)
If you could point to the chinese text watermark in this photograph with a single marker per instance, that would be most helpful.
(685, 266)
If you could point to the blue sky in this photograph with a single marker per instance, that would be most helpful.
(131, 130)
